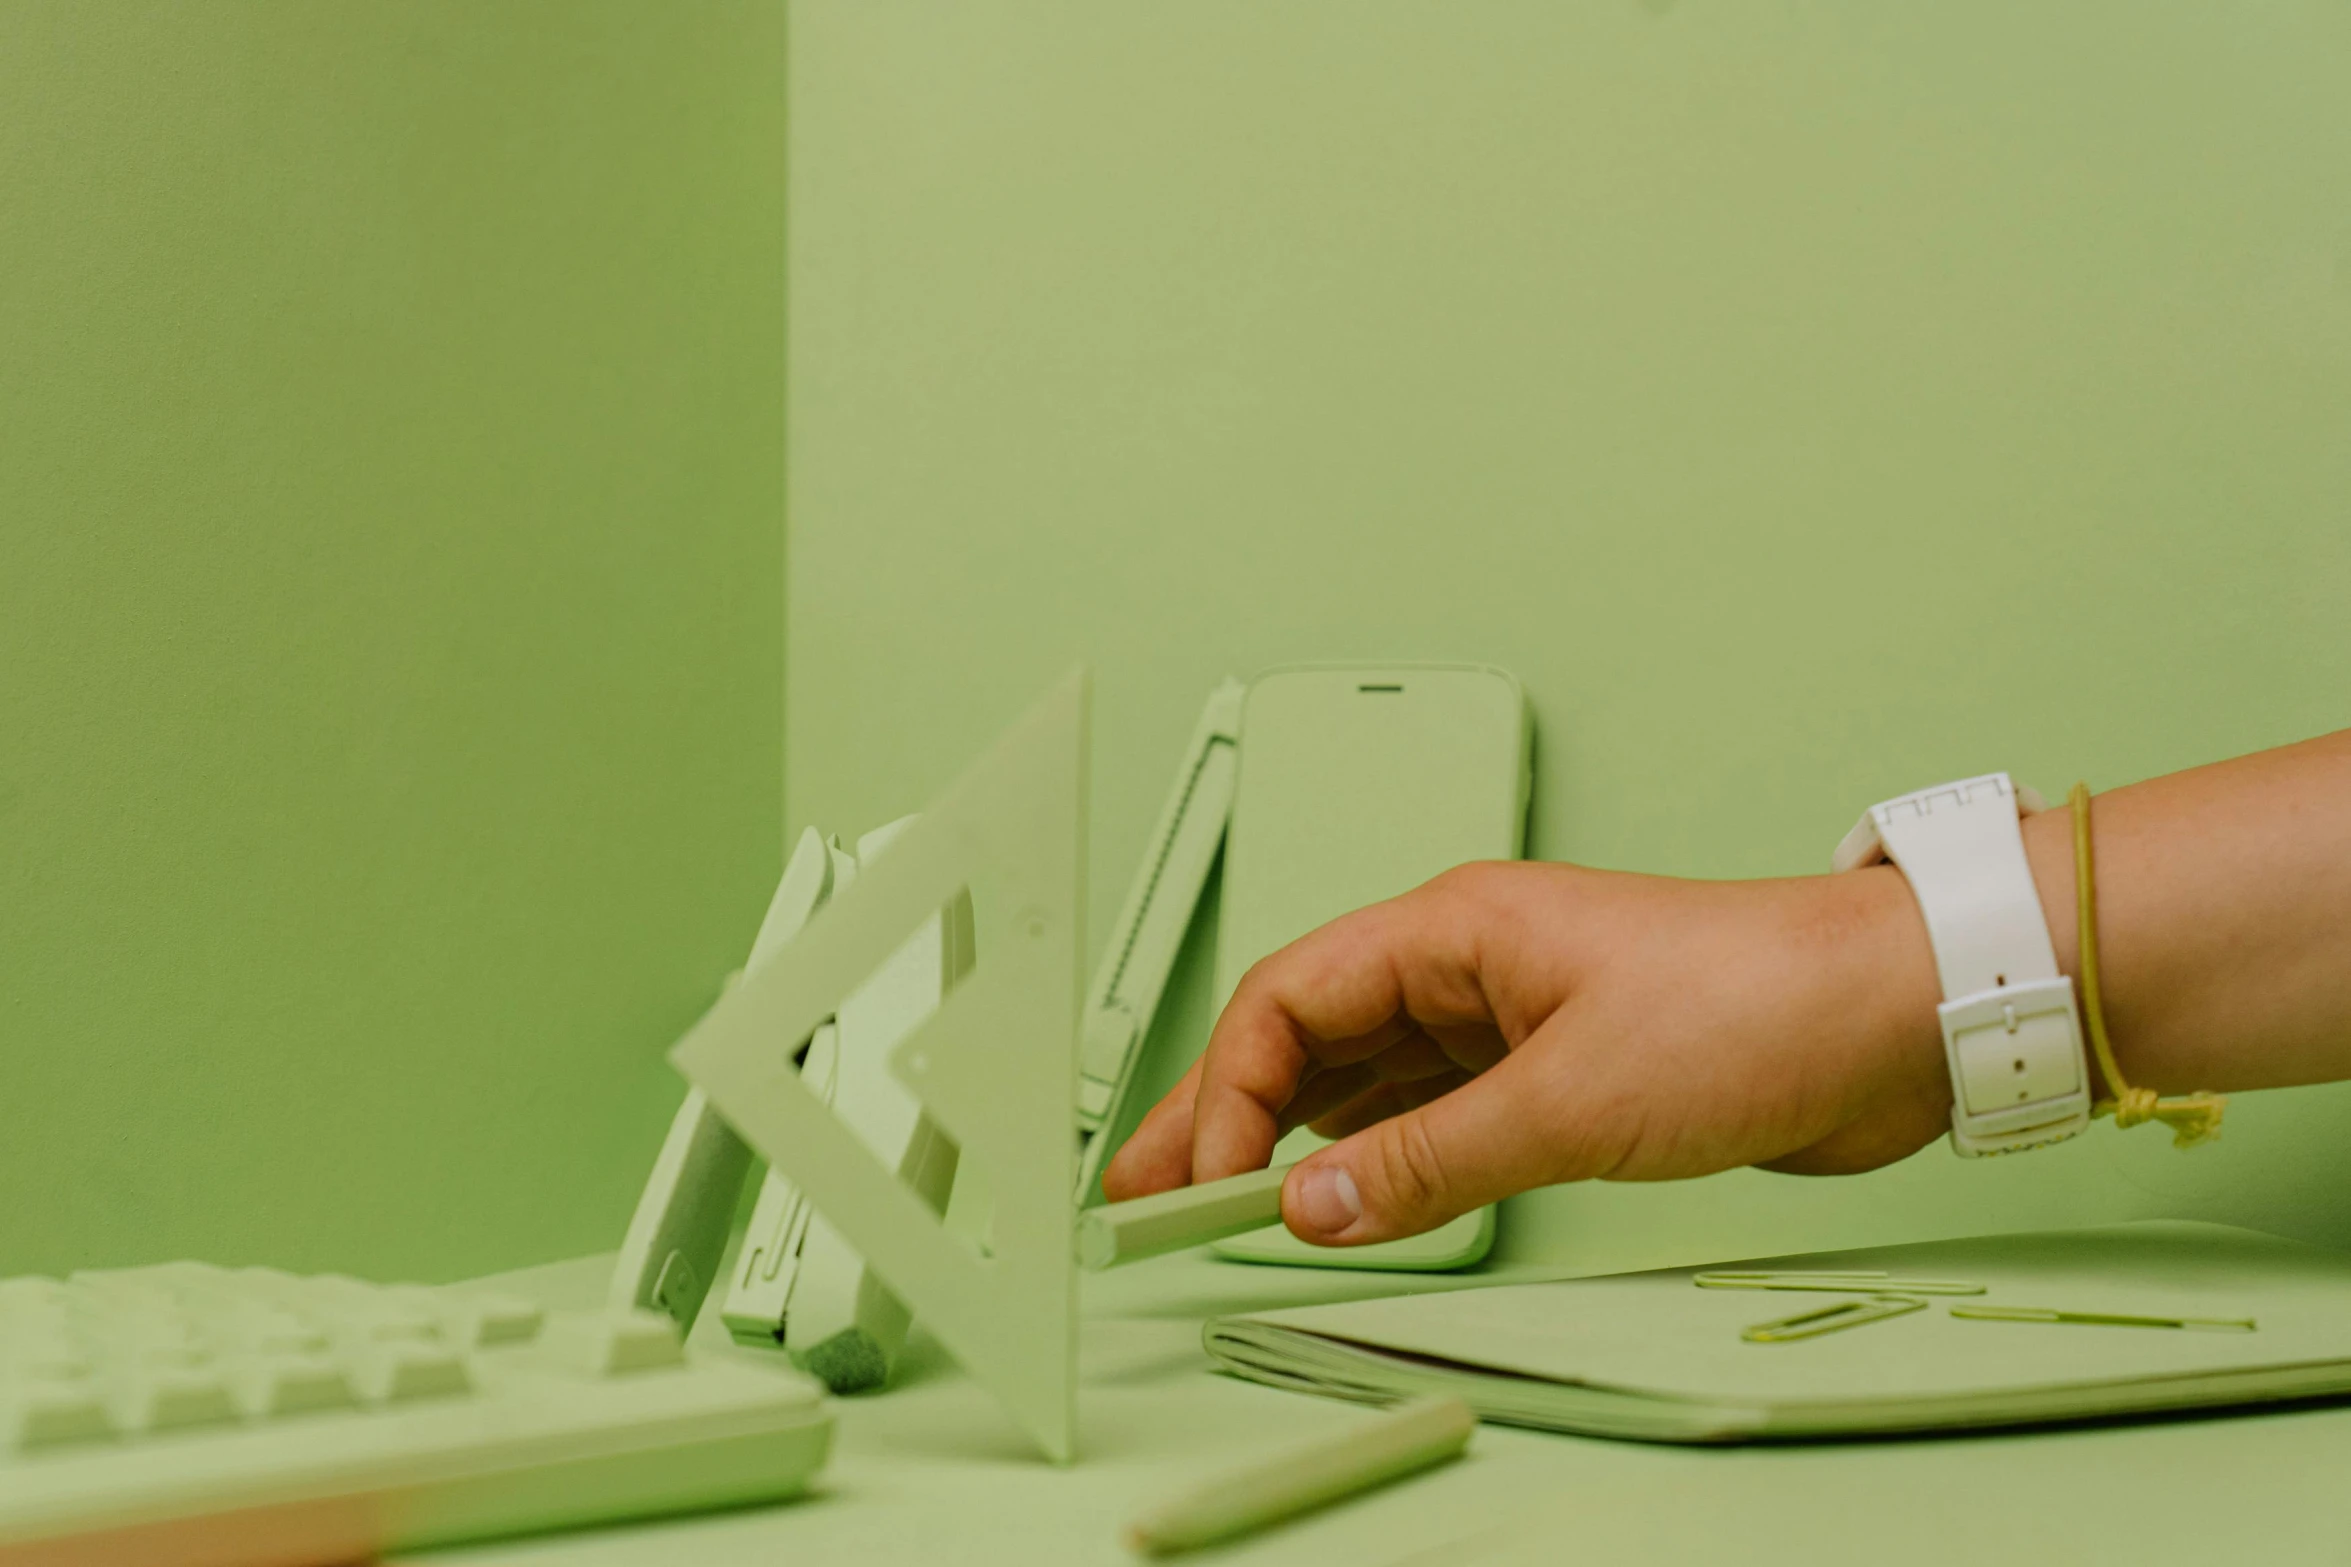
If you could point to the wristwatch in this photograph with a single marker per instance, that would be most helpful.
(2011, 1034)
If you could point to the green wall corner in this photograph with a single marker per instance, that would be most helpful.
(390, 618)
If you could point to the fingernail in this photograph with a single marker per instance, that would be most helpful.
(1327, 1199)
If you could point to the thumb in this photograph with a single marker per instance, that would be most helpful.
(1413, 1172)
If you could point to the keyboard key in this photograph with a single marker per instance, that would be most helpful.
(266, 1386)
(44, 1354)
(145, 1398)
(44, 1414)
(393, 1372)
(602, 1344)
(161, 1348)
(269, 1330)
(490, 1319)
(384, 1312)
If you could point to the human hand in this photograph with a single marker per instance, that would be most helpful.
(1513, 1025)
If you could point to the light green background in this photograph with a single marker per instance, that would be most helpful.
(390, 613)
(1807, 402)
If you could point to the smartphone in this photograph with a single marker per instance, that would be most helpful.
(1356, 784)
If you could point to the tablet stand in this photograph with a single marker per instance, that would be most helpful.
(995, 1065)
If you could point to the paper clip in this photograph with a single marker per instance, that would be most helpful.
(1832, 1319)
(1834, 1283)
(2102, 1319)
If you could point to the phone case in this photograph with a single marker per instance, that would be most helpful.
(1358, 783)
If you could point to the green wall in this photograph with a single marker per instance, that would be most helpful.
(1806, 402)
(390, 613)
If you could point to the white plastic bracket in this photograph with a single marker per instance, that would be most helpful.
(996, 1064)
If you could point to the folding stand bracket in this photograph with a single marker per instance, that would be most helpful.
(996, 1064)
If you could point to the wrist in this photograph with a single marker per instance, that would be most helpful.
(1863, 1007)
(1891, 987)
(2048, 849)
(2011, 1030)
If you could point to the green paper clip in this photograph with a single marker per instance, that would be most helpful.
(2102, 1319)
(1834, 1283)
(1832, 1319)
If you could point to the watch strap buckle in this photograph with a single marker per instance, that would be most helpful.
(2018, 1075)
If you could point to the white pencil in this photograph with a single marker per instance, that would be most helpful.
(1268, 1490)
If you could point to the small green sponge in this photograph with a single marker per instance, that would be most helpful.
(848, 1362)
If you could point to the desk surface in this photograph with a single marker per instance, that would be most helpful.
(931, 1472)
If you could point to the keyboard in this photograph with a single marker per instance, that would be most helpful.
(194, 1416)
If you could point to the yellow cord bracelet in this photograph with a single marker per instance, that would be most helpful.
(2193, 1118)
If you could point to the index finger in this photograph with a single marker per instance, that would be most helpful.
(1337, 995)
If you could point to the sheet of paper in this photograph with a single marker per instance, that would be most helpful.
(1658, 1335)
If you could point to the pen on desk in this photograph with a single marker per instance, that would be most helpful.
(1269, 1490)
(1129, 1231)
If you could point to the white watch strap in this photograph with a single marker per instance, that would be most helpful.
(2011, 1035)
(1963, 853)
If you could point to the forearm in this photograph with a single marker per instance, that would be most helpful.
(1508, 1026)
(2224, 918)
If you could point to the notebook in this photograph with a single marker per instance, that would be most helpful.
(1653, 1357)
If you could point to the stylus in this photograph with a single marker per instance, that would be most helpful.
(1129, 1231)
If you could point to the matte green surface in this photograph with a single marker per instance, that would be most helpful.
(934, 1471)
(390, 621)
(1806, 405)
